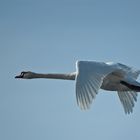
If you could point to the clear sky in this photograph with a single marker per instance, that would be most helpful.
(49, 36)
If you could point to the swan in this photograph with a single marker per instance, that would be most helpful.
(90, 76)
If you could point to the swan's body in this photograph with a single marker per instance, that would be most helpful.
(90, 76)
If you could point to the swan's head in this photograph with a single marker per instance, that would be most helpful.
(25, 75)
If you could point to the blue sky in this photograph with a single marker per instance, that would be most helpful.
(49, 36)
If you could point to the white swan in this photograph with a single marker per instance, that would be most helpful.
(90, 76)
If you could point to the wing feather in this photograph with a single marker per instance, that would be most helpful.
(90, 93)
(134, 95)
(85, 97)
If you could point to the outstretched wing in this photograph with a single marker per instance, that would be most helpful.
(128, 98)
(89, 79)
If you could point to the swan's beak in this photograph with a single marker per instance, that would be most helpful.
(18, 76)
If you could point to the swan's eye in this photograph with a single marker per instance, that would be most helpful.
(22, 74)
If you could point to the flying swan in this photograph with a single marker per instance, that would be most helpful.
(90, 76)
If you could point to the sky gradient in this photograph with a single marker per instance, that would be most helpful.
(50, 36)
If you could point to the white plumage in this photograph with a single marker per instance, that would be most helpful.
(90, 76)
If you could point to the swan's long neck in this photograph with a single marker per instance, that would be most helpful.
(70, 76)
